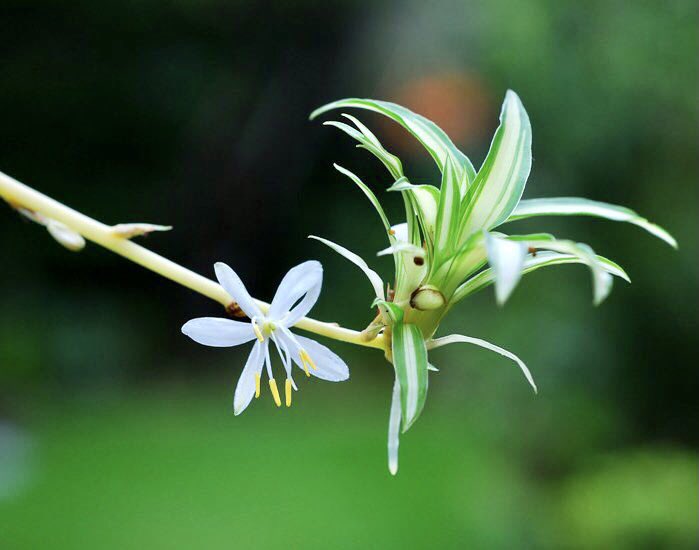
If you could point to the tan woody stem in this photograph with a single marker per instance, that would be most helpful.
(20, 195)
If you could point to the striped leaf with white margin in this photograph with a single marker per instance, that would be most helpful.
(448, 211)
(506, 259)
(500, 181)
(410, 363)
(542, 259)
(373, 277)
(394, 429)
(369, 194)
(574, 206)
(431, 136)
(460, 338)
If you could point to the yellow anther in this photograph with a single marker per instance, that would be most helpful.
(287, 392)
(257, 385)
(275, 392)
(258, 332)
(306, 360)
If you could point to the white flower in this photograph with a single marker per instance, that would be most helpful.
(296, 295)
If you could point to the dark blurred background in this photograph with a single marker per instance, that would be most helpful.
(117, 432)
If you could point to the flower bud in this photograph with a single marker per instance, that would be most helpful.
(65, 236)
(426, 298)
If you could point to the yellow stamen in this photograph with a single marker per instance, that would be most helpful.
(287, 392)
(257, 385)
(275, 392)
(258, 332)
(306, 360)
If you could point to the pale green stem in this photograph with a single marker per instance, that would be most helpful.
(19, 195)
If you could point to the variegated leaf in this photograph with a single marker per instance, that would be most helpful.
(500, 181)
(575, 206)
(447, 222)
(410, 363)
(542, 259)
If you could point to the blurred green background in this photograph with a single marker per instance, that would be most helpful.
(117, 432)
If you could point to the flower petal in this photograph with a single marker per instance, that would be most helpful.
(245, 389)
(303, 283)
(217, 332)
(400, 232)
(328, 365)
(232, 284)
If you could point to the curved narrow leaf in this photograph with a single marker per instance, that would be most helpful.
(575, 206)
(542, 259)
(460, 338)
(500, 181)
(373, 277)
(369, 194)
(368, 141)
(394, 429)
(410, 363)
(431, 136)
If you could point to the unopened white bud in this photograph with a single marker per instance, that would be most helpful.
(65, 236)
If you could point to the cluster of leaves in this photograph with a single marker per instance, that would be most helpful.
(448, 249)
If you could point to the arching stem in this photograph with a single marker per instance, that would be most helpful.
(19, 195)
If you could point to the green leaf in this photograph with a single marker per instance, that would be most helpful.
(410, 363)
(500, 181)
(527, 237)
(542, 259)
(374, 278)
(431, 136)
(390, 309)
(460, 338)
(574, 206)
(447, 222)
(369, 194)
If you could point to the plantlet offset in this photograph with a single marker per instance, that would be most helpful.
(446, 250)
(441, 251)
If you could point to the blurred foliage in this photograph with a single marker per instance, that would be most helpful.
(195, 114)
